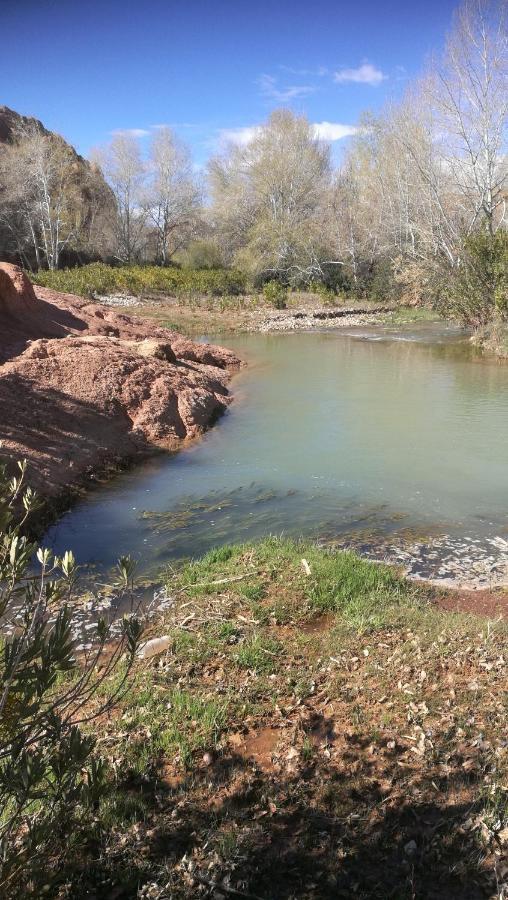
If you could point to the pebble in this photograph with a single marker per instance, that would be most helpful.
(292, 323)
(410, 848)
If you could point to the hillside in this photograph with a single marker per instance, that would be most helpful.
(95, 200)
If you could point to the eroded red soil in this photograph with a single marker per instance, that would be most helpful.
(83, 388)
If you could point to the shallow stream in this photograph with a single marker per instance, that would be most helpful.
(395, 442)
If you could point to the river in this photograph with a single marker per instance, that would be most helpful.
(394, 442)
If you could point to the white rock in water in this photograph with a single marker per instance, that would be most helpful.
(153, 647)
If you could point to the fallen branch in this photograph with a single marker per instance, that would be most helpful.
(220, 581)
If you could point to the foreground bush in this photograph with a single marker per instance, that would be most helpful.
(50, 773)
(99, 279)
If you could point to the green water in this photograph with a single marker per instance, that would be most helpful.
(369, 435)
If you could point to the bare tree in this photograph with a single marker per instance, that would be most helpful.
(269, 197)
(469, 93)
(97, 230)
(173, 202)
(40, 199)
(125, 172)
(357, 211)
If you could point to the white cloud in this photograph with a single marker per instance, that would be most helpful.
(324, 131)
(364, 74)
(132, 132)
(269, 87)
(240, 136)
(333, 131)
(320, 72)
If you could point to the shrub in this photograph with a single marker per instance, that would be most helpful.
(276, 294)
(49, 770)
(377, 283)
(413, 282)
(327, 295)
(99, 279)
(477, 292)
(338, 279)
(201, 255)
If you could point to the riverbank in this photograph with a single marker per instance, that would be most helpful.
(493, 340)
(247, 314)
(314, 727)
(305, 312)
(85, 391)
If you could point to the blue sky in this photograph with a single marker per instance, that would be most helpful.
(210, 68)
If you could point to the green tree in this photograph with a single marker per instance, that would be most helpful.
(477, 291)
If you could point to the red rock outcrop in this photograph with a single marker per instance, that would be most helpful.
(82, 387)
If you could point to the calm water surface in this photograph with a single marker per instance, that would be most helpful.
(369, 435)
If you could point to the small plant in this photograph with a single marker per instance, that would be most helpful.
(253, 592)
(227, 631)
(308, 750)
(49, 771)
(276, 294)
(325, 293)
(259, 654)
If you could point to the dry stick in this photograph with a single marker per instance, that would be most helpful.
(233, 892)
(219, 581)
(201, 584)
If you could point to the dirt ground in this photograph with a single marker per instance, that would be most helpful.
(322, 735)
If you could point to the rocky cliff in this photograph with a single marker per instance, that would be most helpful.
(95, 199)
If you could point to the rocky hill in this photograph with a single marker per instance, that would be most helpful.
(95, 199)
(11, 121)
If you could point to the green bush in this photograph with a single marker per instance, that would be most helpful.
(99, 279)
(377, 281)
(327, 295)
(477, 292)
(276, 294)
(50, 774)
(201, 255)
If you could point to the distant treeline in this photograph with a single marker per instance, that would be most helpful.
(416, 211)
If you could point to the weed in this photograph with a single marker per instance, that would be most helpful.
(259, 654)
(344, 582)
(253, 592)
(307, 750)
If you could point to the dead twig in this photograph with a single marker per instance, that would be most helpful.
(218, 886)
